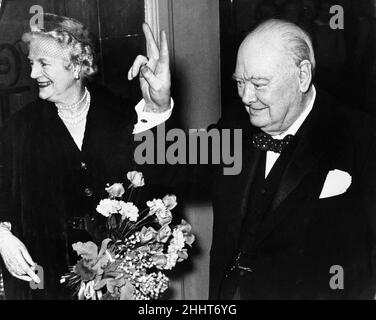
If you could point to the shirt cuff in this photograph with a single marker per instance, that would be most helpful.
(148, 120)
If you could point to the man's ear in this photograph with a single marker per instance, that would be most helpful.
(305, 75)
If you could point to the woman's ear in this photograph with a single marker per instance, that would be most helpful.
(305, 75)
(77, 72)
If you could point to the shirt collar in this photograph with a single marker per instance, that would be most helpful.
(293, 129)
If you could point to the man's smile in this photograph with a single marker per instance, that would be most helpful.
(255, 110)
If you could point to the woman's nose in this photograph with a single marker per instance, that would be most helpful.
(35, 71)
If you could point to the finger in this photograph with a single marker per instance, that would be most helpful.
(32, 275)
(130, 74)
(27, 257)
(137, 64)
(164, 54)
(151, 45)
(23, 265)
(151, 79)
(25, 278)
(26, 270)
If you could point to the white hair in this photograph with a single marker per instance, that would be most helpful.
(71, 34)
(296, 41)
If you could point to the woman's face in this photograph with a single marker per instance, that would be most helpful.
(48, 61)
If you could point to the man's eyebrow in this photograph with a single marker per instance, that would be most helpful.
(259, 78)
(254, 78)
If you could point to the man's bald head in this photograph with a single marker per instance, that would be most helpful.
(274, 74)
(291, 38)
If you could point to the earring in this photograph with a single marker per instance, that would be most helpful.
(77, 76)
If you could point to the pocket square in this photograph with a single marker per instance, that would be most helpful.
(336, 183)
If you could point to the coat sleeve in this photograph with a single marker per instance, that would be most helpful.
(192, 178)
(368, 191)
(5, 177)
(11, 137)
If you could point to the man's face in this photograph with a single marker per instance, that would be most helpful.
(48, 66)
(268, 84)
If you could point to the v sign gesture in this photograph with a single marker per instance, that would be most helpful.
(154, 73)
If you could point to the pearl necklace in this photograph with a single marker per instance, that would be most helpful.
(77, 118)
(75, 105)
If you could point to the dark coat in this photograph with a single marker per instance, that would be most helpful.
(301, 236)
(45, 179)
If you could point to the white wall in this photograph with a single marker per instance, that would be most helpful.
(193, 30)
(197, 61)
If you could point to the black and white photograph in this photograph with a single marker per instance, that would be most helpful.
(207, 151)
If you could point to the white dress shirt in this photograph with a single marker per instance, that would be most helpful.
(148, 120)
(272, 157)
(145, 121)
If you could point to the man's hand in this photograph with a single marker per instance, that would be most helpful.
(16, 257)
(154, 73)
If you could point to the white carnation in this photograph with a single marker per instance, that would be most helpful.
(128, 210)
(107, 207)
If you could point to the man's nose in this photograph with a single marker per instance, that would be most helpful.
(249, 94)
(35, 71)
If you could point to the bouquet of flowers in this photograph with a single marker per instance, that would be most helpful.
(140, 245)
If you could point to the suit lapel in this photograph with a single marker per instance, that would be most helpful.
(303, 160)
(250, 161)
(310, 148)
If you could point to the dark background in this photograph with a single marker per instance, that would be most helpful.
(117, 24)
(346, 59)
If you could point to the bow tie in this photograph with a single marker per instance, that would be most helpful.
(265, 142)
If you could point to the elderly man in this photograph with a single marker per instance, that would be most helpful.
(299, 221)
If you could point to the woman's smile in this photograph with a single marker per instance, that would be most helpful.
(44, 84)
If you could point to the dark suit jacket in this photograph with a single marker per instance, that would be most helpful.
(301, 236)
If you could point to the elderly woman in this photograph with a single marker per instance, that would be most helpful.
(58, 153)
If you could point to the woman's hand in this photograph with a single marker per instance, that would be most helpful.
(154, 73)
(16, 257)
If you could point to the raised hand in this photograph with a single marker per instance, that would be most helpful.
(154, 73)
